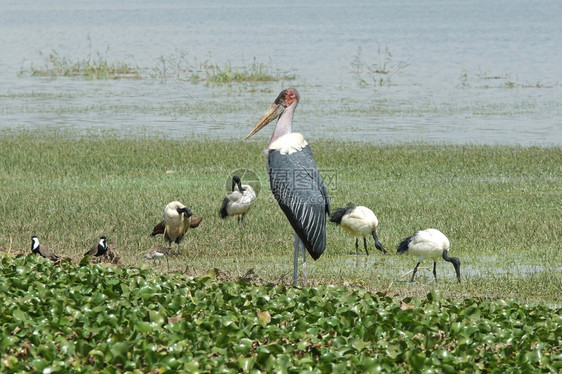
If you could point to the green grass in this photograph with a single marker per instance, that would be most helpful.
(499, 206)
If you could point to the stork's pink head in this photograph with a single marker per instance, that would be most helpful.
(287, 97)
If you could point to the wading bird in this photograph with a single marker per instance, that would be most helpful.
(432, 244)
(358, 221)
(98, 249)
(294, 179)
(42, 250)
(239, 201)
(156, 252)
(177, 220)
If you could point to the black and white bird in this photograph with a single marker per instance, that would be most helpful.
(358, 221)
(239, 201)
(429, 244)
(98, 249)
(177, 220)
(42, 250)
(294, 179)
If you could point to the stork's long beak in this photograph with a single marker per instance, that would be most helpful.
(270, 114)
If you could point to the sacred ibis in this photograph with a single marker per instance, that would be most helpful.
(239, 201)
(429, 244)
(295, 180)
(358, 221)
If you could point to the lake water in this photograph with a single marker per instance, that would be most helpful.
(485, 72)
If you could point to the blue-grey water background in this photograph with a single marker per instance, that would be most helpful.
(461, 72)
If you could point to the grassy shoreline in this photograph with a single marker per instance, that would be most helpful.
(498, 205)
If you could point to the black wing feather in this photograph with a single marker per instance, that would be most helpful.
(301, 193)
(340, 212)
(222, 211)
(403, 246)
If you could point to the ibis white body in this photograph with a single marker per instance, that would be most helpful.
(239, 201)
(359, 222)
(429, 244)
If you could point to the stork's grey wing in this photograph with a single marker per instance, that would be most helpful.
(299, 189)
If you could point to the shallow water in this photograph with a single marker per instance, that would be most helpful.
(460, 72)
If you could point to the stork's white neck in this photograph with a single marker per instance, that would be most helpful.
(283, 126)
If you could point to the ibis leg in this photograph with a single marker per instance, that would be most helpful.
(356, 246)
(414, 273)
(434, 271)
(365, 245)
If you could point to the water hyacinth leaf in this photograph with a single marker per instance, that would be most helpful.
(143, 327)
(157, 317)
(263, 317)
(159, 326)
(119, 351)
(246, 363)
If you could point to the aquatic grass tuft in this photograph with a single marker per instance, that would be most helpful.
(179, 66)
(92, 68)
(375, 74)
(255, 72)
(487, 79)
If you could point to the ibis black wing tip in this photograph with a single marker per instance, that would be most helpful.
(403, 246)
(337, 216)
(222, 211)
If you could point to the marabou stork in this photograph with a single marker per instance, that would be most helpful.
(98, 249)
(177, 220)
(239, 201)
(432, 244)
(295, 181)
(42, 250)
(358, 221)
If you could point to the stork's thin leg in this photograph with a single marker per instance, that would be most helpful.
(365, 245)
(296, 258)
(414, 273)
(434, 271)
(303, 252)
(238, 219)
(356, 246)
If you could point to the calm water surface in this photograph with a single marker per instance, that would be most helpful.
(484, 72)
